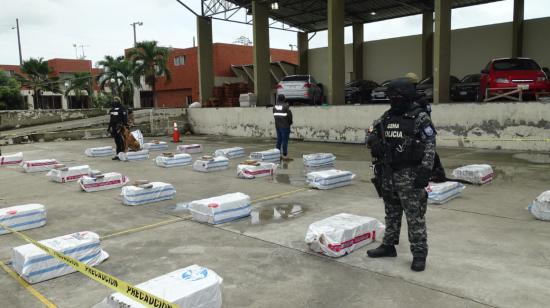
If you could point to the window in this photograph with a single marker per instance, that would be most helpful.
(179, 60)
(515, 65)
(296, 78)
(189, 100)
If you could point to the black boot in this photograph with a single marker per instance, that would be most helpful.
(382, 251)
(418, 264)
(115, 158)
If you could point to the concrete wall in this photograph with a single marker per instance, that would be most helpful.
(19, 118)
(519, 126)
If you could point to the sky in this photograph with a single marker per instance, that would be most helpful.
(50, 28)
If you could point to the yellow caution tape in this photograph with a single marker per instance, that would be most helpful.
(121, 286)
(28, 287)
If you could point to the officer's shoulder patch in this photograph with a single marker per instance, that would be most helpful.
(429, 131)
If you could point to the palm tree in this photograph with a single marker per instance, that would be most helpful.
(36, 77)
(117, 75)
(150, 62)
(81, 81)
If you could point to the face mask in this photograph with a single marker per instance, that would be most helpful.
(399, 103)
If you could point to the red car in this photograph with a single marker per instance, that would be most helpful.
(504, 75)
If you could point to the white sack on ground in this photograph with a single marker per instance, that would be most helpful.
(69, 174)
(329, 179)
(260, 169)
(540, 208)
(134, 156)
(209, 165)
(40, 165)
(190, 148)
(221, 209)
(319, 159)
(11, 159)
(34, 265)
(230, 153)
(105, 181)
(155, 146)
(22, 217)
(477, 174)
(138, 136)
(99, 152)
(440, 193)
(191, 287)
(273, 155)
(173, 161)
(340, 234)
(158, 191)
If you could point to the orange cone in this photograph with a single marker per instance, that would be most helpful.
(175, 133)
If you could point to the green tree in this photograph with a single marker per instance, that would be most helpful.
(36, 77)
(10, 92)
(81, 81)
(150, 62)
(117, 75)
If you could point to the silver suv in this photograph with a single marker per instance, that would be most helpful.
(300, 88)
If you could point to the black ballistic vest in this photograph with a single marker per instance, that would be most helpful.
(402, 143)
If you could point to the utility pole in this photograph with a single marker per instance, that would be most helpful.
(75, 51)
(82, 47)
(134, 24)
(18, 40)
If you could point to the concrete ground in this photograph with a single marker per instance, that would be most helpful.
(485, 248)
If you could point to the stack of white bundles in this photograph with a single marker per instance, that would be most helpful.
(440, 193)
(341, 234)
(22, 217)
(70, 174)
(209, 164)
(191, 287)
(173, 160)
(35, 265)
(133, 156)
(273, 155)
(99, 152)
(329, 178)
(477, 174)
(230, 152)
(40, 165)
(190, 148)
(221, 209)
(147, 193)
(155, 146)
(251, 170)
(540, 208)
(318, 160)
(11, 159)
(105, 181)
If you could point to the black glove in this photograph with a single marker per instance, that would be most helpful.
(422, 178)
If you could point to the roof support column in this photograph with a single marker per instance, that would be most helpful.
(358, 39)
(427, 43)
(336, 53)
(262, 77)
(303, 49)
(206, 67)
(517, 28)
(442, 50)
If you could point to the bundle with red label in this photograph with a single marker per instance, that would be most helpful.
(11, 159)
(318, 160)
(103, 181)
(22, 217)
(190, 148)
(155, 145)
(540, 208)
(143, 193)
(476, 174)
(40, 165)
(134, 156)
(255, 170)
(273, 155)
(99, 152)
(329, 179)
(173, 160)
(63, 174)
(230, 153)
(35, 265)
(210, 164)
(340, 234)
(221, 209)
(439, 193)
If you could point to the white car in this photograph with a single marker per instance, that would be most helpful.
(300, 88)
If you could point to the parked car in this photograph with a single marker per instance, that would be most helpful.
(426, 87)
(300, 88)
(467, 89)
(506, 74)
(359, 91)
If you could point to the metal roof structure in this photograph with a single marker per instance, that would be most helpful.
(311, 15)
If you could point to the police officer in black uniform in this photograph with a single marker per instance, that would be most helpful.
(403, 142)
(119, 119)
(283, 122)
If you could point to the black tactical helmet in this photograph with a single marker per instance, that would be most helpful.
(404, 87)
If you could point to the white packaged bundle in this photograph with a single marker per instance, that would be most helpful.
(173, 160)
(255, 170)
(340, 234)
(134, 156)
(230, 153)
(273, 155)
(34, 265)
(191, 287)
(221, 209)
(105, 181)
(99, 152)
(440, 193)
(329, 178)
(138, 136)
(22, 217)
(540, 208)
(149, 193)
(69, 174)
(319, 159)
(477, 174)
(11, 159)
(40, 165)
(155, 146)
(190, 148)
(210, 164)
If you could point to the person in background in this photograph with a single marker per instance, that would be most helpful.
(118, 120)
(283, 122)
